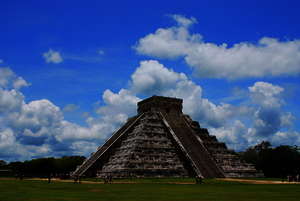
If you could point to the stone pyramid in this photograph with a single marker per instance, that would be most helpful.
(161, 141)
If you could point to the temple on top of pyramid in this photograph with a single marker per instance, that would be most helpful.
(161, 141)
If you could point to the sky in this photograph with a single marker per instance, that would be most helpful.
(71, 72)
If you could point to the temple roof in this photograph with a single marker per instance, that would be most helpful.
(160, 104)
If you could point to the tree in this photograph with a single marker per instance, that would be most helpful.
(47, 167)
(2, 163)
(17, 168)
(280, 161)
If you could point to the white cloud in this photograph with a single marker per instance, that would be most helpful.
(53, 56)
(36, 122)
(153, 78)
(7, 140)
(266, 94)
(267, 120)
(19, 83)
(235, 135)
(73, 132)
(286, 119)
(38, 128)
(5, 75)
(10, 101)
(8, 79)
(286, 138)
(264, 117)
(70, 108)
(9, 146)
(123, 102)
(269, 57)
(269, 117)
(85, 115)
(167, 43)
(183, 21)
(84, 148)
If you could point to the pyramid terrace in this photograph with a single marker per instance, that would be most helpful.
(161, 141)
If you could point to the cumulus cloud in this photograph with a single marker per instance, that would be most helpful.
(38, 128)
(239, 126)
(151, 77)
(183, 21)
(270, 117)
(286, 137)
(5, 76)
(168, 43)
(267, 57)
(36, 122)
(10, 101)
(123, 102)
(81, 147)
(266, 94)
(8, 79)
(235, 135)
(268, 120)
(7, 142)
(52, 57)
(70, 108)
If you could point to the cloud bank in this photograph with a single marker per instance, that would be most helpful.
(268, 57)
(38, 128)
(240, 126)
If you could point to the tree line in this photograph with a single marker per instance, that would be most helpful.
(277, 162)
(43, 167)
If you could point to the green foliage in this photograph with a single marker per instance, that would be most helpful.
(2, 163)
(46, 167)
(277, 162)
(4, 170)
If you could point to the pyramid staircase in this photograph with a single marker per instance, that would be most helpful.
(226, 159)
(163, 142)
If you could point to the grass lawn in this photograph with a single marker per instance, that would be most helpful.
(211, 190)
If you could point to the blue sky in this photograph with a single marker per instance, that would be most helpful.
(71, 72)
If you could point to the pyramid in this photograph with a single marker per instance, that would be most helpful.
(161, 141)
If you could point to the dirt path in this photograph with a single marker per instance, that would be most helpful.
(251, 181)
(65, 180)
(248, 181)
(93, 182)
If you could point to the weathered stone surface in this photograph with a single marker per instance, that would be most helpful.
(226, 159)
(146, 151)
(163, 142)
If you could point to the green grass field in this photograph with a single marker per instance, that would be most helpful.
(211, 190)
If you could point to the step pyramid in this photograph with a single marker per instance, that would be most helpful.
(161, 141)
